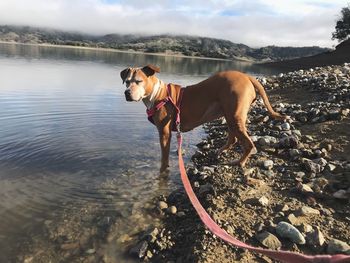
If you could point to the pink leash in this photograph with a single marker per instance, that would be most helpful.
(283, 256)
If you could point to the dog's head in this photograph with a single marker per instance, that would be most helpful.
(139, 82)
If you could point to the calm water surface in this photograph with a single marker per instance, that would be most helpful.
(69, 141)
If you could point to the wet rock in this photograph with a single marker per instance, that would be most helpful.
(286, 230)
(336, 246)
(139, 250)
(269, 240)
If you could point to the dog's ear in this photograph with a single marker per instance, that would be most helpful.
(150, 70)
(124, 74)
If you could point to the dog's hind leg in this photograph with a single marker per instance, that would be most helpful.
(231, 140)
(237, 126)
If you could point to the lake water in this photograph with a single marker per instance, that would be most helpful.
(74, 153)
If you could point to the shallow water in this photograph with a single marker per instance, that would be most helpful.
(68, 139)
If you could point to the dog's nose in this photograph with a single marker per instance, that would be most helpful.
(128, 95)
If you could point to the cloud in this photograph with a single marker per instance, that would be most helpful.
(255, 22)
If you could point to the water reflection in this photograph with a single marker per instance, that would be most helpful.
(168, 64)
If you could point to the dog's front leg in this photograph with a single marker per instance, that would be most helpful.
(165, 138)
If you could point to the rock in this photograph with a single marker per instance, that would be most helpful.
(340, 194)
(124, 238)
(330, 167)
(315, 238)
(268, 164)
(289, 142)
(139, 250)
(321, 161)
(151, 234)
(285, 126)
(336, 246)
(286, 230)
(230, 229)
(269, 240)
(263, 201)
(267, 140)
(306, 210)
(310, 166)
(295, 221)
(305, 228)
(90, 251)
(304, 188)
(206, 189)
(294, 153)
(172, 210)
(162, 205)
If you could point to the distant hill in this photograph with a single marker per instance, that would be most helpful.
(177, 45)
(340, 55)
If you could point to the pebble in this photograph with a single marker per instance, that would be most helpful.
(285, 126)
(268, 164)
(287, 230)
(172, 210)
(162, 205)
(304, 188)
(263, 201)
(269, 240)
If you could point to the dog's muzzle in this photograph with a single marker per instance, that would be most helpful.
(128, 95)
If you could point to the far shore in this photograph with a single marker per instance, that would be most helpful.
(126, 51)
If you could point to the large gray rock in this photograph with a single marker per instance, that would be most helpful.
(336, 246)
(286, 230)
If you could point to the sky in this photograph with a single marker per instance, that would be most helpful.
(255, 23)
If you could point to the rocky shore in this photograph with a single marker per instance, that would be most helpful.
(294, 193)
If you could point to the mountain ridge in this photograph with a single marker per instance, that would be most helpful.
(169, 44)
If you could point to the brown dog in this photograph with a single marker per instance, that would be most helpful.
(227, 94)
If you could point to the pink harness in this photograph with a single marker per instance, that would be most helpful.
(150, 112)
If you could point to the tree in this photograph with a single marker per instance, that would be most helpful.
(342, 28)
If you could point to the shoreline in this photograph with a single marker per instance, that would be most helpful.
(126, 51)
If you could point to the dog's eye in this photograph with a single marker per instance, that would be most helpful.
(127, 82)
(138, 82)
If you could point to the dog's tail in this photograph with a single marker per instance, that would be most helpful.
(262, 93)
